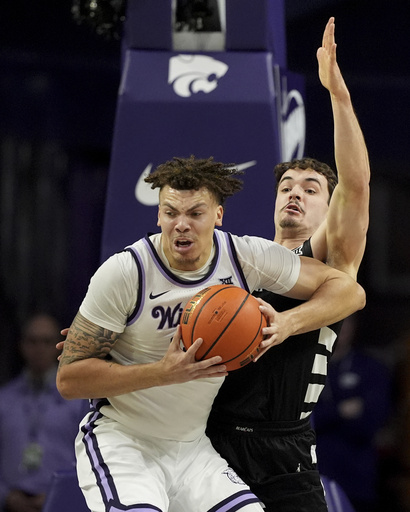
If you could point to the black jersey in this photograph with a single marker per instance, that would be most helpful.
(285, 384)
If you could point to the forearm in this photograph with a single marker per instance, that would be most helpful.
(334, 300)
(96, 378)
(351, 154)
(348, 215)
(87, 370)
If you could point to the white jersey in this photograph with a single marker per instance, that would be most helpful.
(137, 294)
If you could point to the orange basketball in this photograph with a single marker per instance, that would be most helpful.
(229, 321)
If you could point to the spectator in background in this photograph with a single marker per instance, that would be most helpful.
(37, 426)
(396, 464)
(351, 411)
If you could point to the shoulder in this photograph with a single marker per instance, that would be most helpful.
(119, 266)
(248, 242)
(318, 242)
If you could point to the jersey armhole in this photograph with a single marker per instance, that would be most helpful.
(141, 284)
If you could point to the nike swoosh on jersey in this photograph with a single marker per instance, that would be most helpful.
(155, 296)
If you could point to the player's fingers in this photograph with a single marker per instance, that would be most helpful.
(260, 354)
(212, 361)
(205, 363)
(195, 346)
(264, 303)
(204, 369)
(217, 371)
(176, 339)
(329, 33)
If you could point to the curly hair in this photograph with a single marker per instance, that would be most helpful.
(308, 163)
(192, 174)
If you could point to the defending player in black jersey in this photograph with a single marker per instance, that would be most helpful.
(260, 418)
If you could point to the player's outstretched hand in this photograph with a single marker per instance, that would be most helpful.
(181, 366)
(329, 71)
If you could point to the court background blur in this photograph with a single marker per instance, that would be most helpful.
(58, 93)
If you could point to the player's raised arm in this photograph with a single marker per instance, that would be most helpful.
(348, 216)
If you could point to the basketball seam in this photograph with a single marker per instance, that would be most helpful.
(226, 326)
(200, 311)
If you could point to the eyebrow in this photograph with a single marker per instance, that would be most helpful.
(315, 180)
(194, 207)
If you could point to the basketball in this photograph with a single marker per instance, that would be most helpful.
(229, 321)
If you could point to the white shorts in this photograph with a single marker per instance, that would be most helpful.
(119, 472)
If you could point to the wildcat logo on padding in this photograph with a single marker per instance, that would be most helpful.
(190, 74)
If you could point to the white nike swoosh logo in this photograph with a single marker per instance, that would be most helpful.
(144, 194)
(147, 196)
(245, 165)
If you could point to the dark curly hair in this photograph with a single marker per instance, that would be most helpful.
(192, 174)
(308, 163)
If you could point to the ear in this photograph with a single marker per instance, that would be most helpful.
(219, 215)
(159, 217)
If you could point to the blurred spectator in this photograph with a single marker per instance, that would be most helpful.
(37, 426)
(397, 463)
(353, 408)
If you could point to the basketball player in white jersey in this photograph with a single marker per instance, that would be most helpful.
(143, 446)
(260, 421)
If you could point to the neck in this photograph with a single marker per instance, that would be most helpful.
(292, 236)
(290, 243)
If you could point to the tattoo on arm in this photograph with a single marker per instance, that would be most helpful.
(87, 340)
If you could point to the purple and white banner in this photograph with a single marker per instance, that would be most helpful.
(240, 107)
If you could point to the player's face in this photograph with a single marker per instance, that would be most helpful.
(301, 201)
(187, 219)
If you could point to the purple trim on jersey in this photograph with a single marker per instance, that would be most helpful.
(98, 466)
(97, 403)
(173, 278)
(142, 507)
(235, 502)
(234, 258)
(100, 469)
(141, 286)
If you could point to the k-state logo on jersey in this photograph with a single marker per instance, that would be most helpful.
(190, 74)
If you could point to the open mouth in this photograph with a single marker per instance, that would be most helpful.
(292, 207)
(183, 243)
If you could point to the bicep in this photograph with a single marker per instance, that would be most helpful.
(87, 340)
(346, 226)
(313, 274)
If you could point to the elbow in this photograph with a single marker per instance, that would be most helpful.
(64, 386)
(361, 297)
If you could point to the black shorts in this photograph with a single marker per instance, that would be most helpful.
(277, 460)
